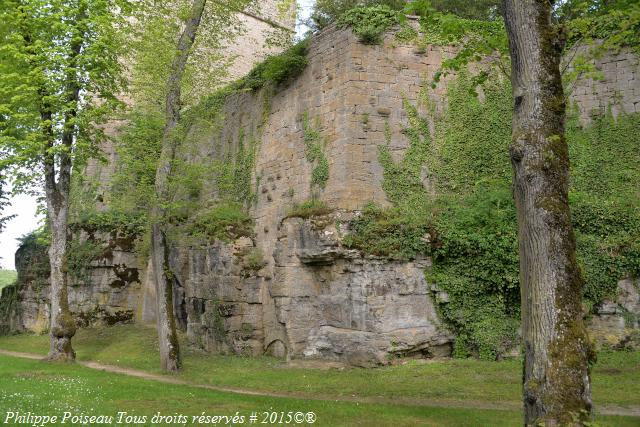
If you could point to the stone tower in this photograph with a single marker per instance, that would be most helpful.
(251, 48)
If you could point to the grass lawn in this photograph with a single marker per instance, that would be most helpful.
(52, 389)
(401, 387)
(7, 277)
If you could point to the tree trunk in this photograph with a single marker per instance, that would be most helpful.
(557, 351)
(168, 338)
(63, 325)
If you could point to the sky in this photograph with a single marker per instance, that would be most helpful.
(24, 207)
(304, 11)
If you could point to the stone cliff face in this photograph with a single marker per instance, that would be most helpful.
(308, 296)
(107, 292)
(316, 300)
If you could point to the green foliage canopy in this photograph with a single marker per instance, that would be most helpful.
(49, 50)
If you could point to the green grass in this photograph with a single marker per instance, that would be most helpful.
(614, 376)
(7, 277)
(52, 389)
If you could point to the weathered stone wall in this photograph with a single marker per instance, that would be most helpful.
(313, 298)
(246, 50)
(109, 293)
(617, 86)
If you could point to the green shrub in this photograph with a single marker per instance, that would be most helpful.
(328, 11)
(370, 23)
(226, 221)
(389, 233)
(253, 259)
(129, 224)
(277, 68)
(310, 208)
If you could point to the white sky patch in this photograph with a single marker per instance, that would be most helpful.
(305, 7)
(24, 207)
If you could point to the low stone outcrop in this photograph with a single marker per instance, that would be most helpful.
(617, 321)
(108, 292)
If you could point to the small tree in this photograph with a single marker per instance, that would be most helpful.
(221, 24)
(59, 75)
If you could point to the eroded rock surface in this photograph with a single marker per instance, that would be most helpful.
(617, 322)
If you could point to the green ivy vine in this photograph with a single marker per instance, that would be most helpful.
(469, 226)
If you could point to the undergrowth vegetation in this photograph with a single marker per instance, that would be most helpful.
(370, 23)
(225, 221)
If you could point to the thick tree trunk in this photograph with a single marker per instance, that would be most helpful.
(556, 347)
(167, 335)
(63, 325)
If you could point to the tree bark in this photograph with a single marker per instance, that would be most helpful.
(63, 326)
(167, 335)
(557, 351)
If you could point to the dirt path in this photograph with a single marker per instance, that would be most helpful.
(433, 403)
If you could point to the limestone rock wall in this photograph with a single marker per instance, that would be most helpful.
(617, 321)
(311, 298)
(618, 88)
(109, 293)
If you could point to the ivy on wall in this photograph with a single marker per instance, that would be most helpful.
(605, 200)
(469, 226)
(314, 152)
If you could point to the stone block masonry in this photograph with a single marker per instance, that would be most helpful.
(617, 86)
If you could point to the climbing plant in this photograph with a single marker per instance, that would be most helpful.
(314, 152)
(469, 225)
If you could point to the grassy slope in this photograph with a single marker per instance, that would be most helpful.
(614, 376)
(7, 277)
